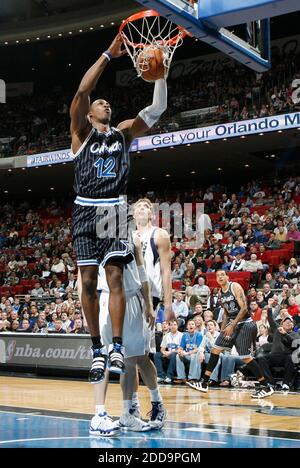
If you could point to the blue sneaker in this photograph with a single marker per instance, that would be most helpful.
(97, 371)
(158, 415)
(116, 358)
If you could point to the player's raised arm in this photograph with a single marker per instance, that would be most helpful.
(148, 116)
(80, 106)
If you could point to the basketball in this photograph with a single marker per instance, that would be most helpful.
(150, 64)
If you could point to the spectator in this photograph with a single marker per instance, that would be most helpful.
(260, 299)
(293, 308)
(58, 266)
(37, 291)
(165, 359)
(188, 354)
(217, 263)
(254, 266)
(180, 310)
(201, 290)
(165, 328)
(263, 334)
(58, 327)
(15, 325)
(273, 243)
(238, 249)
(211, 335)
(200, 263)
(40, 326)
(281, 234)
(200, 327)
(66, 322)
(78, 327)
(281, 350)
(198, 310)
(293, 233)
(255, 311)
(214, 303)
(177, 273)
(267, 292)
(207, 316)
(238, 263)
(293, 274)
(270, 280)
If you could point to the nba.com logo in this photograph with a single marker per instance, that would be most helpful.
(2, 92)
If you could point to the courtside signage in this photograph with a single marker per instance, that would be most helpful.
(184, 137)
(53, 157)
(217, 132)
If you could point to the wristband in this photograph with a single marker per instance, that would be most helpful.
(108, 55)
(142, 274)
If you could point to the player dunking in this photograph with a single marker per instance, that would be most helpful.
(238, 330)
(139, 309)
(101, 173)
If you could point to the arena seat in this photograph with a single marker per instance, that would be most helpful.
(260, 209)
(177, 284)
(17, 290)
(215, 216)
(4, 290)
(275, 259)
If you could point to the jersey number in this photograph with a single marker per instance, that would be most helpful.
(105, 167)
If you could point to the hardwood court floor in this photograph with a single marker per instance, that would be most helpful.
(219, 410)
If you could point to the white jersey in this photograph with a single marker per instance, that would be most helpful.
(131, 279)
(152, 261)
(136, 334)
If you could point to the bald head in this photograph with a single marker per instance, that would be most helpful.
(100, 112)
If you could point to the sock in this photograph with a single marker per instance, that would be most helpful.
(96, 340)
(135, 400)
(126, 407)
(155, 395)
(206, 378)
(117, 339)
(213, 361)
(100, 409)
(255, 370)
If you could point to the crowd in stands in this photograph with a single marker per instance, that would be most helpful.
(253, 234)
(33, 124)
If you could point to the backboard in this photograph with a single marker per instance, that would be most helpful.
(208, 20)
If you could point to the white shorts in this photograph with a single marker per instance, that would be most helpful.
(136, 334)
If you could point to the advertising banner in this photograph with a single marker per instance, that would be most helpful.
(52, 350)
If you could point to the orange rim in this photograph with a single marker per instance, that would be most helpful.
(145, 14)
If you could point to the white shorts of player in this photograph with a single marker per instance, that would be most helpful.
(136, 334)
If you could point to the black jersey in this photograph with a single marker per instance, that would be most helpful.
(102, 165)
(230, 303)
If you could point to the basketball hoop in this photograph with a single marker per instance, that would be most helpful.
(149, 30)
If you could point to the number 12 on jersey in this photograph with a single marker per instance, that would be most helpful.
(105, 167)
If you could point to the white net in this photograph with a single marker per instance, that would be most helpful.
(147, 34)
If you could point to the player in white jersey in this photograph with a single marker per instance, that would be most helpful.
(136, 336)
(156, 249)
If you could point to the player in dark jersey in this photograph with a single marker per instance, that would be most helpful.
(101, 173)
(238, 330)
